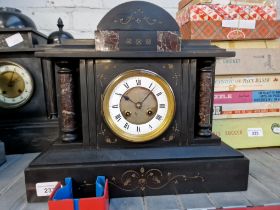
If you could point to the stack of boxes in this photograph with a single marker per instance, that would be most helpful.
(247, 87)
(247, 94)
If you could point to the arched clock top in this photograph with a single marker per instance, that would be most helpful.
(138, 15)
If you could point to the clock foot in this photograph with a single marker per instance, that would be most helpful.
(69, 137)
(204, 132)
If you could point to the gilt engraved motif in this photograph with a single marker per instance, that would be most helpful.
(172, 136)
(111, 141)
(138, 17)
(154, 179)
(102, 130)
(101, 78)
(107, 139)
(175, 128)
(176, 77)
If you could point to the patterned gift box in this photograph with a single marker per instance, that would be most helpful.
(213, 30)
(216, 12)
(184, 3)
(228, 22)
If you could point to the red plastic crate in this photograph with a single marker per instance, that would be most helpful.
(91, 203)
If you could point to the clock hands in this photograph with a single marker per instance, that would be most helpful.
(147, 95)
(137, 104)
(128, 99)
(11, 82)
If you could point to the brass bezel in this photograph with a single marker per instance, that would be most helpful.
(13, 106)
(163, 126)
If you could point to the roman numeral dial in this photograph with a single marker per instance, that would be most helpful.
(16, 85)
(138, 105)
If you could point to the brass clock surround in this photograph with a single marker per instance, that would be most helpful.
(16, 85)
(171, 105)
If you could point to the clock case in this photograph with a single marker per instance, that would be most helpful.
(32, 127)
(186, 158)
(2, 153)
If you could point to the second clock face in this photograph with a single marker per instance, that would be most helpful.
(16, 85)
(138, 105)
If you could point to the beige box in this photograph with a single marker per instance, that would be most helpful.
(246, 110)
(250, 61)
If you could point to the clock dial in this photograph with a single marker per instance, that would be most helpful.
(138, 105)
(16, 85)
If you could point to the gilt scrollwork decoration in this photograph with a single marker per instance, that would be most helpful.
(153, 179)
(172, 136)
(107, 139)
(168, 138)
(102, 130)
(101, 78)
(175, 128)
(176, 77)
(138, 17)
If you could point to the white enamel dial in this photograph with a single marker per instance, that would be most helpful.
(16, 85)
(138, 105)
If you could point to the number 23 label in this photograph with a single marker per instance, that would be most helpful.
(45, 188)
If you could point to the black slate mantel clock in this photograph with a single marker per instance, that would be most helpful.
(28, 116)
(136, 107)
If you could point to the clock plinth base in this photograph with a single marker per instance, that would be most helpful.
(143, 172)
(32, 137)
(2, 153)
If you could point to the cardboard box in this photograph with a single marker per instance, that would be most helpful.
(236, 30)
(249, 44)
(228, 22)
(246, 110)
(255, 96)
(250, 61)
(244, 104)
(247, 82)
(184, 3)
(254, 2)
(216, 12)
(249, 132)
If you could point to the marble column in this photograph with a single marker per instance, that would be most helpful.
(205, 101)
(68, 115)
